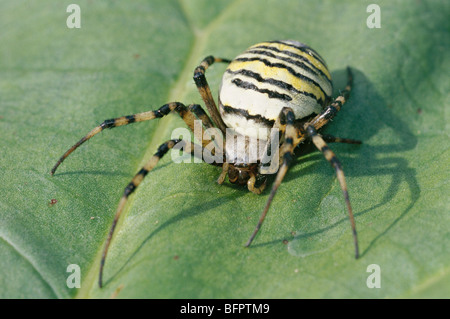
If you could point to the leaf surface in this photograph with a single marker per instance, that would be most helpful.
(182, 234)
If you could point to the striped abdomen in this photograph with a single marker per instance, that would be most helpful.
(269, 76)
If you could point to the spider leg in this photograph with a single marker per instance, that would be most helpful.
(205, 136)
(186, 113)
(205, 92)
(294, 136)
(135, 182)
(311, 130)
(285, 122)
(223, 174)
(251, 185)
(331, 111)
(331, 157)
(280, 124)
(332, 139)
(201, 115)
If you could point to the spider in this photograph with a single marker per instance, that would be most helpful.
(284, 86)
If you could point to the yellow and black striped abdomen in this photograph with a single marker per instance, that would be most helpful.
(269, 76)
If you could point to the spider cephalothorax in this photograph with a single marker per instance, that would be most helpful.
(273, 97)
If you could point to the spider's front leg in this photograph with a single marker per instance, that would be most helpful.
(205, 91)
(188, 114)
(319, 121)
(285, 123)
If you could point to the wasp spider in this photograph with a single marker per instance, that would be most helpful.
(283, 85)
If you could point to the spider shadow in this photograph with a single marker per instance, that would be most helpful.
(357, 120)
(360, 120)
(95, 172)
(395, 165)
(104, 172)
(187, 213)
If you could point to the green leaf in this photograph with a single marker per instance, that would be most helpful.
(182, 234)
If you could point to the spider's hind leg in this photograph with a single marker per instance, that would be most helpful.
(332, 109)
